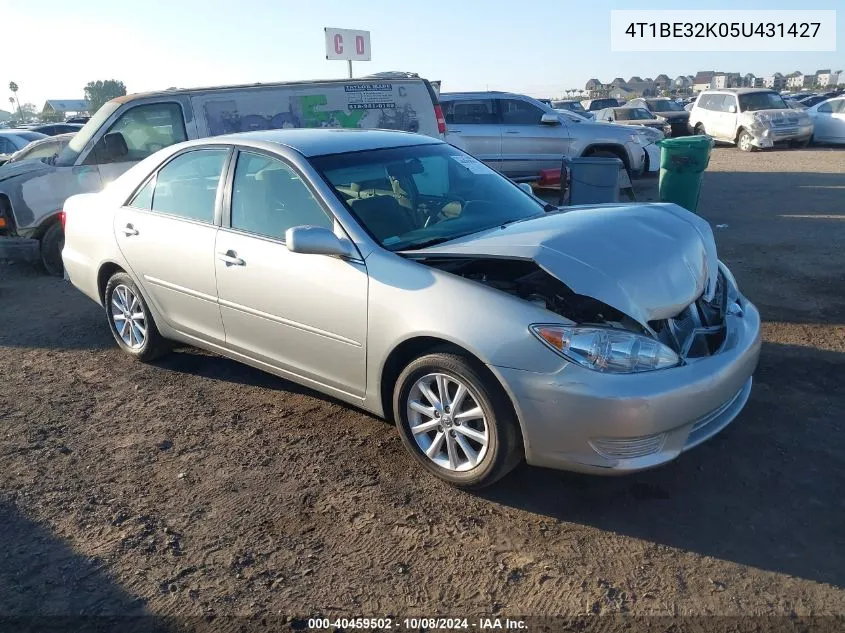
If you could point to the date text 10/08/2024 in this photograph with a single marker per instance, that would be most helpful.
(415, 624)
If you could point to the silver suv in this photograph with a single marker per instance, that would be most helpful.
(519, 136)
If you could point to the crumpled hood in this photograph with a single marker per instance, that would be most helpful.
(648, 261)
(23, 167)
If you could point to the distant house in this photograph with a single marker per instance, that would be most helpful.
(682, 82)
(776, 81)
(662, 82)
(797, 81)
(5, 116)
(593, 84)
(725, 80)
(635, 80)
(621, 93)
(643, 88)
(703, 80)
(618, 83)
(825, 78)
(65, 106)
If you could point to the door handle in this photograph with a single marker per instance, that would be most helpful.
(129, 230)
(512, 132)
(231, 258)
(454, 130)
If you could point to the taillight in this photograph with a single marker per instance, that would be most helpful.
(441, 121)
(62, 217)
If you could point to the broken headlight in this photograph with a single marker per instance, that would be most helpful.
(607, 350)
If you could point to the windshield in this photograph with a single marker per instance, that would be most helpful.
(575, 106)
(72, 150)
(601, 104)
(411, 197)
(761, 101)
(665, 105)
(633, 114)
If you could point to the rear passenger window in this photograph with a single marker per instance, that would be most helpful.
(187, 186)
(469, 112)
(516, 112)
(269, 198)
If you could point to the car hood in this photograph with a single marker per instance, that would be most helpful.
(23, 167)
(649, 261)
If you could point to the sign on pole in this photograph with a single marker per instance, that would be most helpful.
(348, 44)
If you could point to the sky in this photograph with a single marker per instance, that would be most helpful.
(54, 48)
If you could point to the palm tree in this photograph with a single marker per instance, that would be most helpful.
(14, 88)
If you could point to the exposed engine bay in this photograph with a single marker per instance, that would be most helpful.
(698, 330)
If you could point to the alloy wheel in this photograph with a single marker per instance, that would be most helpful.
(447, 422)
(128, 316)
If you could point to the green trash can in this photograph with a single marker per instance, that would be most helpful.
(682, 164)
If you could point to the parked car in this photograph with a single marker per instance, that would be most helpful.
(828, 121)
(128, 129)
(583, 362)
(47, 147)
(594, 105)
(14, 139)
(573, 105)
(750, 117)
(520, 136)
(53, 129)
(633, 116)
(668, 109)
(79, 119)
(810, 101)
(795, 105)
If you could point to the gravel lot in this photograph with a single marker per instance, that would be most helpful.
(202, 487)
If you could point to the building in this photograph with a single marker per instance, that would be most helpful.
(593, 84)
(776, 81)
(682, 83)
(65, 107)
(618, 83)
(750, 80)
(662, 82)
(799, 81)
(622, 93)
(825, 78)
(643, 88)
(5, 116)
(725, 80)
(703, 80)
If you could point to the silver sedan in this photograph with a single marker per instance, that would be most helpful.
(403, 276)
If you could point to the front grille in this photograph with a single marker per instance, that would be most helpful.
(784, 131)
(628, 448)
(699, 329)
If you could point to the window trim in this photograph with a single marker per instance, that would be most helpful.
(226, 202)
(218, 197)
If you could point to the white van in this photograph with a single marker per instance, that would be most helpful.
(128, 129)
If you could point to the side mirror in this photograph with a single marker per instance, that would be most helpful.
(549, 119)
(316, 240)
(113, 147)
(732, 109)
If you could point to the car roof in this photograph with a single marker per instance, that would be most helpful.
(476, 94)
(739, 91)
(321, 141)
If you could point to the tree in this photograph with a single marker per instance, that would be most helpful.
(14, 88)
(98, 92)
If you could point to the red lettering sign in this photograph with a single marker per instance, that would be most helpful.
(338, 43)
(359, 44)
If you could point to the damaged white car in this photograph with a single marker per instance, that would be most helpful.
(750, 117)
(399, 274)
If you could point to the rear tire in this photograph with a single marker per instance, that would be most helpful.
(699, 129)
(476, 447)
(130, 320)
(52, 243)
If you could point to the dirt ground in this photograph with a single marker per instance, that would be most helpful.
(201, 487)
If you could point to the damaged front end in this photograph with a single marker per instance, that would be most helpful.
(602, 337)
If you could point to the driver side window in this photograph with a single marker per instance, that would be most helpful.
(147, 129)
(517, 112)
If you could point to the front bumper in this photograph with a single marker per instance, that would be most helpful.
(767, 137)
(578, 419)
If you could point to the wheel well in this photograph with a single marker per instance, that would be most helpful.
(739, 132)
(616, 150)
(45, 224)
(411, 349)
(106, 271)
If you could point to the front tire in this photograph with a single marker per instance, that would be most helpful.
(131, 321)
(52, 243)
(456, 420)
(745, 142)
